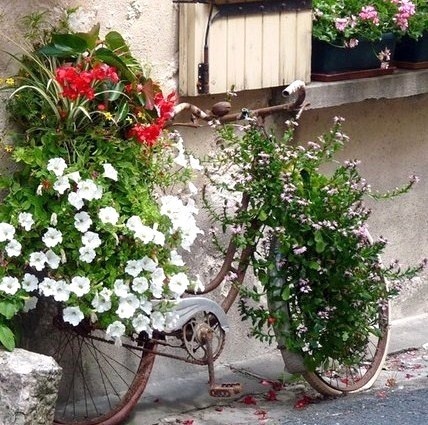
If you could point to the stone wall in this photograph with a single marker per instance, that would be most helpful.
(28, 388)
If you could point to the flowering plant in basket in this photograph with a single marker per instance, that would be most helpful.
(330, 271)
(418, 22)
(346, 22)
(88, 219)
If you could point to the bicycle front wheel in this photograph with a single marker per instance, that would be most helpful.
(333, 378)
(101, 382)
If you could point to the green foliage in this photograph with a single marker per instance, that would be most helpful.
(344, 22)
(314, 257)
(93, 217)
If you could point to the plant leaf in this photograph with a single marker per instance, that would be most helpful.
(8, 309)
(91, 37)
(7, 338)
(110, 58)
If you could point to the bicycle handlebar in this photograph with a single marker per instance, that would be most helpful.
(295, 94)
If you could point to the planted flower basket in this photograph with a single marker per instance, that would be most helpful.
(411, 53)
(367, 59)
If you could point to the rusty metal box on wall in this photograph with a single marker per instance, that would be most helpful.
(244, 45)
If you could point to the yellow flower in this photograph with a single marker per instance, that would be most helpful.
(108, 116)
(8, 148)
(10, 81)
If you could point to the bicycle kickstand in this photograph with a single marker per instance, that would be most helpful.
(217, 390)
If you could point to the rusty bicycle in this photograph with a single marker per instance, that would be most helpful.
(102, 382)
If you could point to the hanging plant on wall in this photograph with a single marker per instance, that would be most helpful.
(89, 220)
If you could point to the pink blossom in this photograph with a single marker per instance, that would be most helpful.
(341, 23)
(406, 9)
(369, 13)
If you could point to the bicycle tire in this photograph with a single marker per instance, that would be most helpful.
(338, 379)
(101, 382)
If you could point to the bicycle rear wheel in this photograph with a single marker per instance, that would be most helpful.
(101, 382)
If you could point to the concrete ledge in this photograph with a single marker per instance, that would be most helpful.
(402, 83)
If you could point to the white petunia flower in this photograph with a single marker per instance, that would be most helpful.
(72, 315)
(61, 185)
(108, 215)
(158, 320)
(87, 254)
(176, 259)
(57, 166)
(52, 237)
(115, 331)
(101, 301)
(156, 288)
(80, 285)
(13, 248)
(110, 172)
(134, 223)
(145, 234)
(146, 305)
(75, 200)
(29, 282)
(30, 304)
(47, 287)
(158, 237)
(10, 285)
(26, 220)
(134, 267)
(74, 176)
(54, 219)
(178, 283)
(52, 259)
(148, 264)
(87, 189)
(7, 232)
(158, 276)
(62, 291)
(127, 306)
(91, 240)
(38, 260)
(140, 285)
(141, 323)
(82, 221)
(120, 288)
(98, 193)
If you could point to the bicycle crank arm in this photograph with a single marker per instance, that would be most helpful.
(216, 390)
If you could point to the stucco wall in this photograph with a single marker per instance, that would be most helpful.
(389, 136)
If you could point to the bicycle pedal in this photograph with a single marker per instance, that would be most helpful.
(226, 390)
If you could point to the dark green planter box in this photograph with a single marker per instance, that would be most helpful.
(327, 58)
(411, 50)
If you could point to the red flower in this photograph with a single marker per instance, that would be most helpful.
(249, 399)
(271, 396)
(146, 133)
(164, 106)
(103, 71)
(75, 82)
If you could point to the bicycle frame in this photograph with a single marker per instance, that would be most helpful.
(187, 308)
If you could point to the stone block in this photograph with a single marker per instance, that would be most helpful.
(28, 388)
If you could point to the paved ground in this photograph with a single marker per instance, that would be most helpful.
(268, 400)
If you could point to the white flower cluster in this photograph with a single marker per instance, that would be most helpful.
(134, 297)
